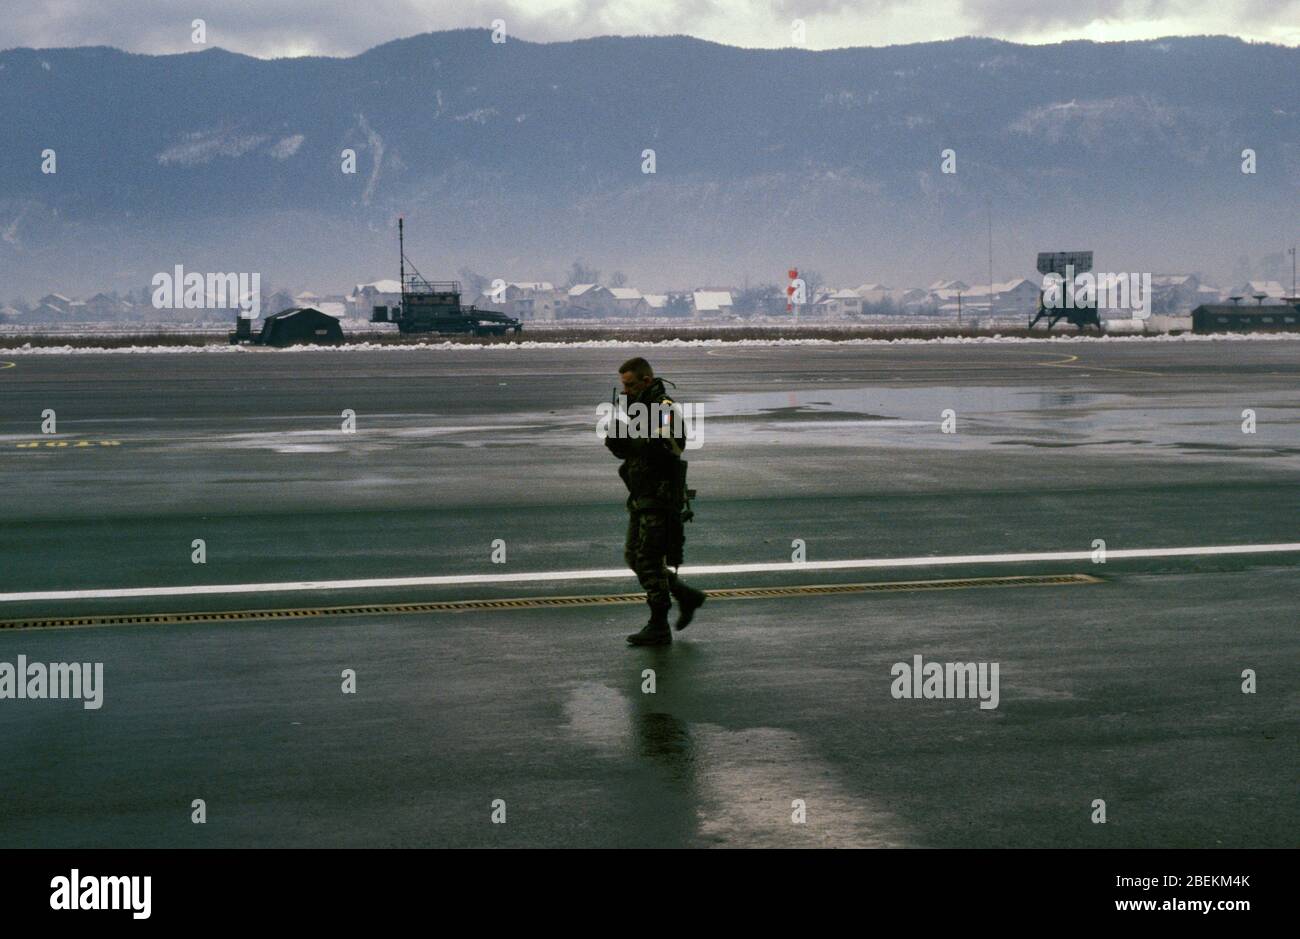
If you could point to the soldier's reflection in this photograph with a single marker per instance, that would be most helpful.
(658, 734)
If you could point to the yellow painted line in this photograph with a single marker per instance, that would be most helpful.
(8, 364)
(532, 603)
(58, 444)
(1095, 368)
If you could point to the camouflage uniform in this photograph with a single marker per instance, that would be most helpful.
(649, 470)
(644, 551)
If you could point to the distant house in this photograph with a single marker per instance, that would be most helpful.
(1017, 296)
(588, 300)
(953, 285)
(525, 300)
(533, 300)
(873, 293)
(364, 297)
(1253, 290)
(711, 302)
(841, 303)
(280, 300)
(901, 298)
(629, 301)
(47, 313)
(910, 298)
(1174, 293)
(56, 300)
(103, 306)
(656, 303)
(590, 293)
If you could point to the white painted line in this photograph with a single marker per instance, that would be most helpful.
(623, 573)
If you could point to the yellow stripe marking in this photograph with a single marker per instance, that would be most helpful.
(1094, 368)
(524, 603)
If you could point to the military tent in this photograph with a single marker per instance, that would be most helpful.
(300, 325)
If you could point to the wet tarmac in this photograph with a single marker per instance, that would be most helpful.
(1127, 690)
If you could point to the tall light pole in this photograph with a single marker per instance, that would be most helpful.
(990, 257)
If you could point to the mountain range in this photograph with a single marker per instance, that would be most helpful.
(515, 158)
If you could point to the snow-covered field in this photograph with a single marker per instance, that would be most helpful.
(28, 349)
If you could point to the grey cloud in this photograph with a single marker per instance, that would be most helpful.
(295, 27)
(1016, 18)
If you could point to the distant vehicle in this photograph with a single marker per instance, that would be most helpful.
(435, 307)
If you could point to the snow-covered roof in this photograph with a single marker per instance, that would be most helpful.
(1270, 288)
(533, 285)
(711, 300)
(982, 290)
(378, 286)
(625, 293)
(656, 301)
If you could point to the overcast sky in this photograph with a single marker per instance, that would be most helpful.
(270, 28)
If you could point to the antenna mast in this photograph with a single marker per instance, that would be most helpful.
(401, 264)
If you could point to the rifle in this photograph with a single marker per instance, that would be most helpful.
(683, 513)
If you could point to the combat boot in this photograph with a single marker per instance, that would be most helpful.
(655, 633)
(688, 601)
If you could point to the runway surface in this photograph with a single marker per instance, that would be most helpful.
(1121, 674)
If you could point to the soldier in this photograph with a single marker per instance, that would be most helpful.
(650, 469)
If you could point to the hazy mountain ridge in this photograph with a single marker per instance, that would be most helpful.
(520, 156)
